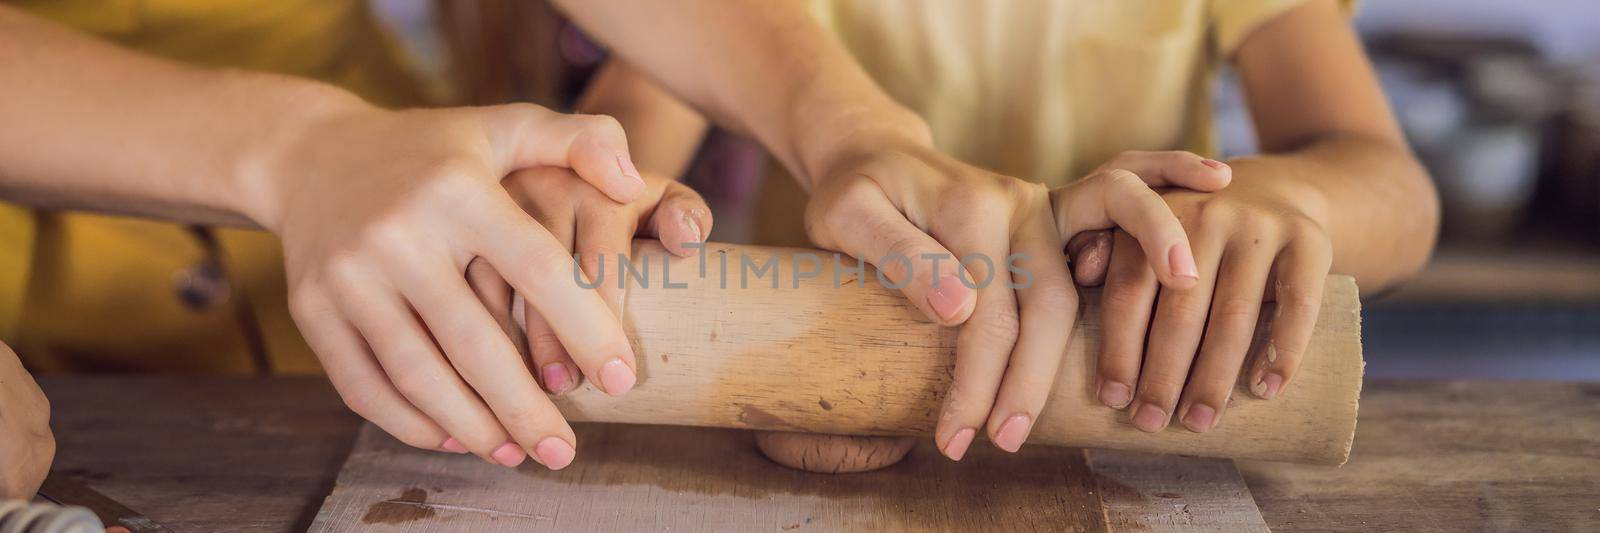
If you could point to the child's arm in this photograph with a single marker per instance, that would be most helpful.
(1337, 188)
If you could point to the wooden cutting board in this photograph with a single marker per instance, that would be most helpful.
(658, 478)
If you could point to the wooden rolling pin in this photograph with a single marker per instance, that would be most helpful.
(861, 360)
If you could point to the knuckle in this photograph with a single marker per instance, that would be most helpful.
(1236, 310)
(416, 439)
(362, 402)
(1123, 296)
(1000, 325)
(413, 383)
(976, 198)
(1160, 389)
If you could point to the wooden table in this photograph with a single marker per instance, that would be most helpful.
(247, 454)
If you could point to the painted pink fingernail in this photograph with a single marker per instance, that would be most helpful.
(1013, 432)
(1150, 418)
(555, 453)
(557, 378)
(1115, 395)
(509, 455)
(947, 296)
(453, 446)
(616, 377)
(957, 447)
(1182, 262)
(628, 169)
(1214, 164)
(1199, 418)
(1270, 386)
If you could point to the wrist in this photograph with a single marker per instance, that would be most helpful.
(833, 130)
(289, 114)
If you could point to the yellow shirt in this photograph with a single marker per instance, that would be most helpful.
(1040, 90)
(100, 293)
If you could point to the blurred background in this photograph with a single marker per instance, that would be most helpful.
(1500, 99)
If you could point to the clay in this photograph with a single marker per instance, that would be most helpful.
(832, 454)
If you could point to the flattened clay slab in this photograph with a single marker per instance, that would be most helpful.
(633, 478)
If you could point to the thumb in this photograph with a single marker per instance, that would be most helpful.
(681, 217)
(593, 146)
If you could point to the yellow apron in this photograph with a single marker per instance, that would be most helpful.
(84, 292)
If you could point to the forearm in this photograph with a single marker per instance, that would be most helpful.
(777, 76)
(1374, 199)
(88, 125)
(663, 132)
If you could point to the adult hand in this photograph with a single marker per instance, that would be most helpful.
(905, 207)
(1254, 241)
(600, 231)
(26, 444)
(380, 213)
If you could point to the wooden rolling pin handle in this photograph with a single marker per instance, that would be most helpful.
(781, 349)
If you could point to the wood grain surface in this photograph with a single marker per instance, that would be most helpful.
(800, 354)
(662, 478)
(260, 454)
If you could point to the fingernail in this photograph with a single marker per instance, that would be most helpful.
(694, 228)
(947, 296)
(1115, 395)
(555, 453)
(453, 446)
(1214, 164)
(1013, 432)
(957, 447)
(1150, 418)
(1199, 418)
(557, 378)
(509, 455)
(1182, 262)
(616, 377)
(1270, 386)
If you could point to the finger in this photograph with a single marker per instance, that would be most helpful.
(1046, 299)
(681, 217)
(548, 279)
(594, 146)
(355, 374)
(492, 290)
(419, 372)
(490, 364)
(1126, 303)
(1119, 198)
(881, 236)
(1235, 308)
(1174, 168)
(557, 371)
(986, 340)
(1180, 318)
(1300, 274)
(552, 365)
(603, 242)
(1090, 254)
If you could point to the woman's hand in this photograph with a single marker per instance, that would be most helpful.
(1255, 241)
(600, 231)
(26, 445)
(380, 213)
(913, 212)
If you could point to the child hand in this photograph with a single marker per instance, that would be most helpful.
(26, 445)
(599, 230)
(1256, 241)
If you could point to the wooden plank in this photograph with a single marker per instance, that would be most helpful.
(677, 478)
(860, 360)
(1451, 456)
(1145, 492)
(260, 454)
